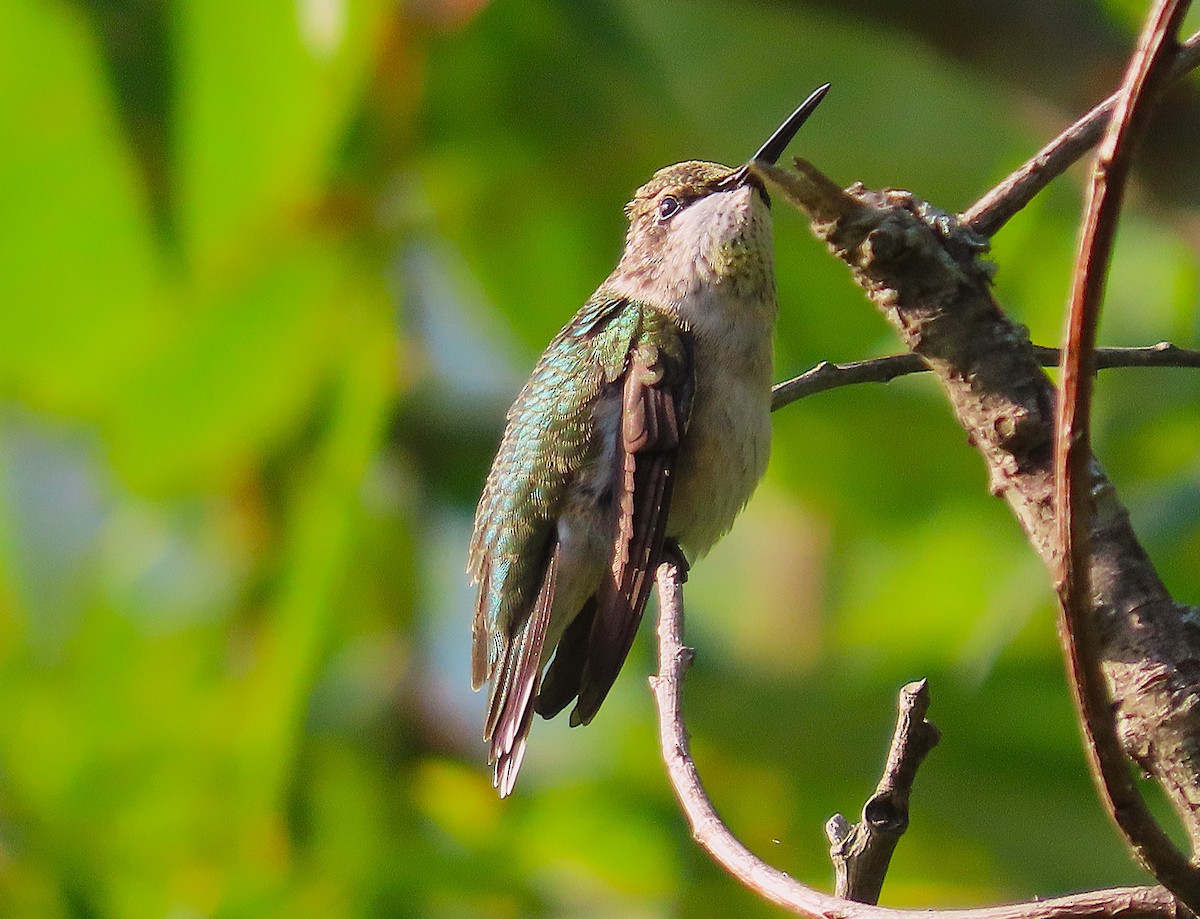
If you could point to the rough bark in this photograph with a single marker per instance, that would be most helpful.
(923, 271)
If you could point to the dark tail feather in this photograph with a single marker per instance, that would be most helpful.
(510, 709)
(561, 682)
(609, 642)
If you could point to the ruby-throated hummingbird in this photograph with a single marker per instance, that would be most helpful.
(646, 424)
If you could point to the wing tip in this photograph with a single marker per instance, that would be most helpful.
(517, 676)
(507, 767)
(479, 663)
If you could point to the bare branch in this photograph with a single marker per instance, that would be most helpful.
(776, 886)
(987, 215)
(826, 376)
(1148, 72)
(1164, 354)
(862, 853)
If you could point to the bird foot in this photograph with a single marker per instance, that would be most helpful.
(671, 552)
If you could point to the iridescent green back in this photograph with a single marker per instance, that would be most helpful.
(546, 442)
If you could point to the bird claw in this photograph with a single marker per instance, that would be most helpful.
(671, 552)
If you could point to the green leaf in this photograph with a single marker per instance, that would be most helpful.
(266, 91)
(81, 291)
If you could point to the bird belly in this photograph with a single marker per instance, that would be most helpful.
(721, 458)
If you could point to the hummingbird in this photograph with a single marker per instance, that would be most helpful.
(641, 434)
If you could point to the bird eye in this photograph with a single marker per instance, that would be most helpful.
(668, 207)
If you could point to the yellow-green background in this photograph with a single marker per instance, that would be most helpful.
(270, 272)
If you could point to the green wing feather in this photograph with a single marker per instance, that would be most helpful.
(547, 441)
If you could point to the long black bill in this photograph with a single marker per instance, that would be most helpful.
(773, 148)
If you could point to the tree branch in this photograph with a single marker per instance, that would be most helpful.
(921, 271)
(776, 886)
(987, 215)
(826, 376)
(862, 853)
(1147, 75)
(920, 266)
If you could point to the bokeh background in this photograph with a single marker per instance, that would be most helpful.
(270, 274)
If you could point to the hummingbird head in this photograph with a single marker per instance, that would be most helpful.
(698, 225)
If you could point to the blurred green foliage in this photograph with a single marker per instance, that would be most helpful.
(270, 273)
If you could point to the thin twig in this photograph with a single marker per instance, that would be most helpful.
(826, 375)
(996, 208)
(774, 885)
(862, 853)
(1148, 72)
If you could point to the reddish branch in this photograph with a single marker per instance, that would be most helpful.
(1147, 75)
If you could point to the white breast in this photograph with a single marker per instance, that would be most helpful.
(724, 452)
